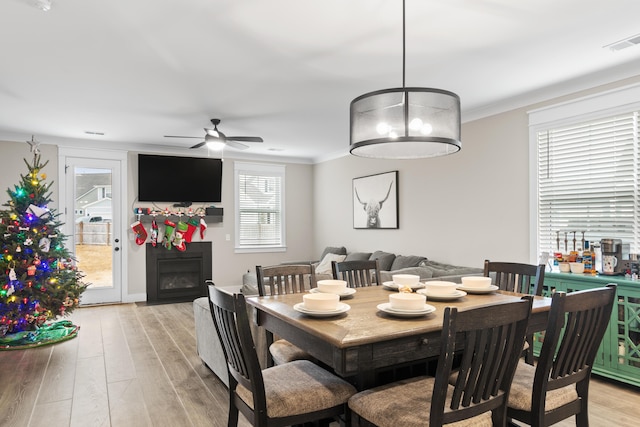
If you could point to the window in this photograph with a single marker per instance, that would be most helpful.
(587, 172)
(259, 207)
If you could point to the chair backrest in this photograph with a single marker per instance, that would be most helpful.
(357, 273)
(515, 277)
(577, 323)
(285, 278)
(490, 339)
(229, 313)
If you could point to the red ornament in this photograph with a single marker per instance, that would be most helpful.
(32, 196)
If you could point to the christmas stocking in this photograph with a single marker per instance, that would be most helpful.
(203, 227)
(178, 237)
(191, 228)
(141, 233)
(154, 232)
(168, 232)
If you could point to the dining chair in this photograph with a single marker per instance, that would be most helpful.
(279, 280)
(558, 386)
(520, 278)
(487, 342)
(293, 393)
(357, 273)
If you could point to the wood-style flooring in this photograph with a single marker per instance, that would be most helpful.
(135, 365)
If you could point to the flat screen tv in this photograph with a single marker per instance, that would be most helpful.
(184, 180)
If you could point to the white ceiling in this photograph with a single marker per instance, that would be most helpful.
(286, 70)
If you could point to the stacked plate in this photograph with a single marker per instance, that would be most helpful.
(394, 286)
(478, 290)
(344, 294)
(340, 308)
(442, 297)
(386, 307)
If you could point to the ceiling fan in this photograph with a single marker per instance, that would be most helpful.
(214, 135)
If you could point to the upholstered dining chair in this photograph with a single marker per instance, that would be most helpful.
(357, 273)
(283, 395)
(278, 280)
(558, 386)
(521, 278)
(487, 341)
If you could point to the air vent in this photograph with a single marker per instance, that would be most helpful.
(89, 132)
(623, 44)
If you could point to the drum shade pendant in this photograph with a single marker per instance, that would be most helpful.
(406, 122)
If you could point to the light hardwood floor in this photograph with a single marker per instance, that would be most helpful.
(137, 366)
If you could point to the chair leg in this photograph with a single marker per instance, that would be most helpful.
(233, 417)
(270, 362)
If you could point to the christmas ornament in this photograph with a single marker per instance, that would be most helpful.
(42, 213)
(31, 270)
(18, 249)
(28, 241)
(12, 273)
(44, 244)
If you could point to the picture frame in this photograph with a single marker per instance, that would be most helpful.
(375, 201)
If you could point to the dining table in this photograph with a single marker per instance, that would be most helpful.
(363, 338)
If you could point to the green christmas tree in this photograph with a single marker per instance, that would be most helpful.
(38, 277)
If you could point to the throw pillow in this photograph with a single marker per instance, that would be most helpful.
(325, 265)
(358, 256)
(402, 261)
(340, 250)
(385, 259)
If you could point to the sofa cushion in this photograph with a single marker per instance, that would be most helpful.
(358, 256)
(340, 250)
(424, 273)
(385, 259)
(325, 265)
(402, 261)
(439, 269)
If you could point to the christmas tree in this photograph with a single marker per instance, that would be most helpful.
(38, 277)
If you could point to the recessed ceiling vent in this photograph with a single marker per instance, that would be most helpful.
(623, 44)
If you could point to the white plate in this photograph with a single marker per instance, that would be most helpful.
(394, 287)
(347, 292)
(438, 297)
(386, 307)
(342, 308)
(478, 290)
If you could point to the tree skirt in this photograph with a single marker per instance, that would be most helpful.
(49, 333)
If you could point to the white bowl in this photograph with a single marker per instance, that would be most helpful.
(576, 267)
(337, 287)
(321, 301)
(406, 301)
(564, 267)
(441, 288)
(476, 282)
(405, 279)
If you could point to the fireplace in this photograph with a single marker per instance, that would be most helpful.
(174, 276)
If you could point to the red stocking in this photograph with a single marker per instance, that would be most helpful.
(203, 227)
(141, 233)
(192, 225)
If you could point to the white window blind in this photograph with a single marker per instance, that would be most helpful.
(588, 179)
(259, 205)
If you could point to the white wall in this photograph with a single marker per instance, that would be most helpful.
(461, 209)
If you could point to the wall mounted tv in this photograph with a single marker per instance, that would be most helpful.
(179, 179)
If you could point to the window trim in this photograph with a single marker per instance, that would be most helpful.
(271, 169)
(608, 103)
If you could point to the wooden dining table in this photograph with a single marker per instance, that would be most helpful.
(364, 338)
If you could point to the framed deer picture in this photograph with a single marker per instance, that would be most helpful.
(375, 201)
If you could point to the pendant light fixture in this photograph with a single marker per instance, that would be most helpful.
(406, 122)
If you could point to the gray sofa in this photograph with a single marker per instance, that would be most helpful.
(388, 262)
(207, 342)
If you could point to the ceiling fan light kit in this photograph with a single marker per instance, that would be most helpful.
(216, 140)
(406, 122)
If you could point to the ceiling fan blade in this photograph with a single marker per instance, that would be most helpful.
(212, 132)
(199, 144)
(174, 136)
(234, 144)
(246, 138)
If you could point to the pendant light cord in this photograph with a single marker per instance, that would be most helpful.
(403, 44)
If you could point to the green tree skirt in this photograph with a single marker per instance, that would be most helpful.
(49, 333)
